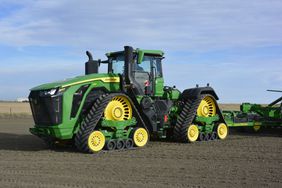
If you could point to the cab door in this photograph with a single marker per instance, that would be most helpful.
(158, 77)
(148, 75)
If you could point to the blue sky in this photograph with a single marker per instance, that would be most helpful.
(235, 46)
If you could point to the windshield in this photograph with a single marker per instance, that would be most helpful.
(118, 64)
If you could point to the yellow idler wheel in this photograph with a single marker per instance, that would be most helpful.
(222, 131)
(140, 137)
(256, 128)
(118, 109)
(207, 107)
(192, 133)
(96, 141)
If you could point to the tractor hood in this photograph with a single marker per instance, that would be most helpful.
(78, 80)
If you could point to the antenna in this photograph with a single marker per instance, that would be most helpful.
(273, 90)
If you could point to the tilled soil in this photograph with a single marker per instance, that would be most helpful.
(242, 160)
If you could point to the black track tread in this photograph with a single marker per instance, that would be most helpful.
(90, 121)
(185, 119)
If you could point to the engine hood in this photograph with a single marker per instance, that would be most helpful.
(78, 80)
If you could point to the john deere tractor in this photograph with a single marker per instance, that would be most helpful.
(124, 107)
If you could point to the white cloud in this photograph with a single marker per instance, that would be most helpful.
(189, 25)
(180, 28)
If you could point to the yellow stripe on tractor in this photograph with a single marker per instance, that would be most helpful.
(105, 79)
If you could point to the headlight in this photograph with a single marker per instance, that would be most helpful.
(52, 91)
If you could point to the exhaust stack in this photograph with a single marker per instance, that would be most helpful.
(91, 66)
(128, 59)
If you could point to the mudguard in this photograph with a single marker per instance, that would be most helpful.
(197, 92)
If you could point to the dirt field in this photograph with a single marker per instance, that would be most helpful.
(253, 160)
(229, 106)
(14, 109)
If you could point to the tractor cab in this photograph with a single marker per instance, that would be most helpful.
(140, 70)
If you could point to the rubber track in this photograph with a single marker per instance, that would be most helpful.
(185, 119)
(92, 119)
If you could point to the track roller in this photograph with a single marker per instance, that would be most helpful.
(201, 136)
(207, 136)
(110, 145)
(120, 144)
(129, 143)
(213, 136)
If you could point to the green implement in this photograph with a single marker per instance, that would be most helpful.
(256, 116)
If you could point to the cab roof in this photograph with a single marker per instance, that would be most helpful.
(138, 50)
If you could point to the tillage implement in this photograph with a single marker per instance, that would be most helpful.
(256, 116)
(125, 107)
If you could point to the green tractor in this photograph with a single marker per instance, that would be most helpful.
(124, 107)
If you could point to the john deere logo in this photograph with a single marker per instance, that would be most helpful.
(110, 79)
(115, 79)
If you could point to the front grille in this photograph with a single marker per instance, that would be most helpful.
(46, 109)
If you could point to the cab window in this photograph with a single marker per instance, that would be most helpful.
(144, 66)
(118, 64)
(148, 62)
(158, 65)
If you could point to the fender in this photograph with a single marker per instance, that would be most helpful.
(196, 92)
(91, 97)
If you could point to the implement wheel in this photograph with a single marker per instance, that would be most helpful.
(192, 133)
(96, 141)
(118, 109)
(140, 137)
(222, 131)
